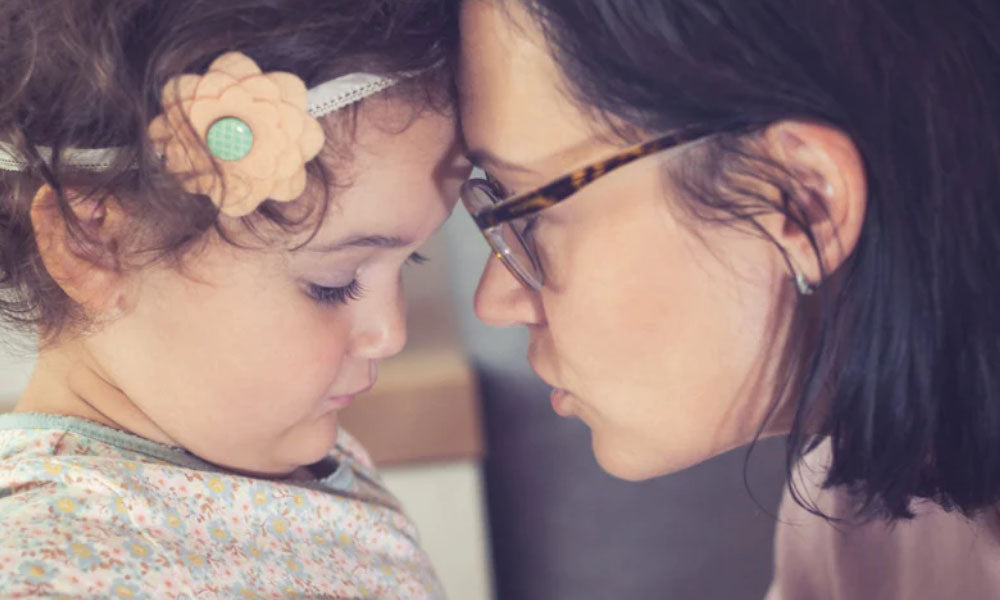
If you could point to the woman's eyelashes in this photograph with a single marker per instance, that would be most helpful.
(352, 291)
(498, 188)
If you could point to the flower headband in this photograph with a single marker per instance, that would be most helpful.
(235, 134)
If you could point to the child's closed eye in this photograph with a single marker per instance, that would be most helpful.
(336, 295)
(352, 291)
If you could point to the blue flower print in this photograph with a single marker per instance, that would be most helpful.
(219, 487)
(121, 588)
(219, 532)
(65, 506)
(173, 521)
(85, 555)
(132, 468)
(257, 552)
(37, 572)
(197, 565)
(138, 549)
(278, 526)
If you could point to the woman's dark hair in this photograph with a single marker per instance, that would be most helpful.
(902, 368)
(89, 73)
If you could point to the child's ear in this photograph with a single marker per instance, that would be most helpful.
(831, 195)
(84, 261)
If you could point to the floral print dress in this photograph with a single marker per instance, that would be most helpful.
(87, 511)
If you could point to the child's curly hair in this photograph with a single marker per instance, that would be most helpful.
(88, 74)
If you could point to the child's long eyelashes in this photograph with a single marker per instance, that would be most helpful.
(352, 291)
(336, 295)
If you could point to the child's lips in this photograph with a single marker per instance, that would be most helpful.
(345, 400)
(340, 402)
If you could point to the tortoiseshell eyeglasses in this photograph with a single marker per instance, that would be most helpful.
(507, 223)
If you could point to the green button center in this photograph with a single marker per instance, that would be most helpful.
(229, 138)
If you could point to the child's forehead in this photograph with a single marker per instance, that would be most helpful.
(393, 179)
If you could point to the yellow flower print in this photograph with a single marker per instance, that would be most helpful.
(140, 550)
(219, 533)
(123, 588)
(196, 560)
(81, 551)
(216, 485)
(53, 468)
(37, 572)
(248, 593)
(65, 505)
(259, 498)
(120, 505)
(173, 520)
(279, 525)
(298, 500)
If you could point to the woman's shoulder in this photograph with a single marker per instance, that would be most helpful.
(835, 554)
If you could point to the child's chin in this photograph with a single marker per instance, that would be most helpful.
(319, 441)
(306, 444)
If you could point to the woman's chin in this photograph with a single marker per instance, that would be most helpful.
(623, 458)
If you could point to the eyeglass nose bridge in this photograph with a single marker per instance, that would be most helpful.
(533, 280)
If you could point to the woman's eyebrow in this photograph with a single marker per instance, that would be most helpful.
(365, 241)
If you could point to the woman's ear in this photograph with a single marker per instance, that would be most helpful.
(82, 261)
(830, 195)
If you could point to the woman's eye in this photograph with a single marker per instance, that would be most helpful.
(336, 295)
(529, 227)
(417, 259)
(527, 234)
(498, 188)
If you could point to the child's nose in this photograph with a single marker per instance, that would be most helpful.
(381, 332)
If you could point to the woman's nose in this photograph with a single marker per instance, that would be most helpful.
(503, 301)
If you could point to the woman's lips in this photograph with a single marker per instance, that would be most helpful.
(560, 398)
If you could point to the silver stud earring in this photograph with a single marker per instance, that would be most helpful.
(802, 284)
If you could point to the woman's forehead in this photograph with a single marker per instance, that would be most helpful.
(512, 98)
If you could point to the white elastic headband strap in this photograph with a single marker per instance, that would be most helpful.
(344, 91)
(324, 99)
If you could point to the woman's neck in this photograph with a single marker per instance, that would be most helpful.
(67, 380)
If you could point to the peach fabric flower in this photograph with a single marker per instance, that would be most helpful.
(237, 135)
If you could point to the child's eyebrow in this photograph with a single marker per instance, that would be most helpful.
(365, 241)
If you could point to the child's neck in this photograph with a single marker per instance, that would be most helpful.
(67, 380)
